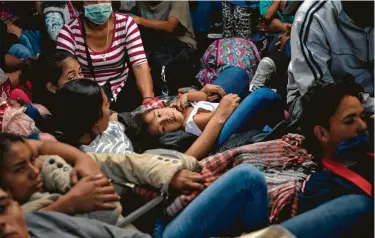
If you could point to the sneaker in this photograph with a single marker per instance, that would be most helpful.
(263, 74)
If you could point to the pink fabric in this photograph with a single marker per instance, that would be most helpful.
(286, 115)
(17, 122)
(18, 94)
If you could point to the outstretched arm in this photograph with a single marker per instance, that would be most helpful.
(83, 164)
(203, 145)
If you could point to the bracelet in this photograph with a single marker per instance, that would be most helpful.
(147, 98)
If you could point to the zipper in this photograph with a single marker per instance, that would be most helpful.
(368, 46)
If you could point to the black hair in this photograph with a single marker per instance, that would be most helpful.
(48, 69)
(78, 108)
(7, 39)
(320, 103)
(78, 6)
(6, 140)
(58, 4)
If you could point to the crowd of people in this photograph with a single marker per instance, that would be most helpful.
(187, 119)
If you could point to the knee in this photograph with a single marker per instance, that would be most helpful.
(239, 73)
(266, 94)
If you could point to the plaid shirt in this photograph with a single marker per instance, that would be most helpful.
(284, 163)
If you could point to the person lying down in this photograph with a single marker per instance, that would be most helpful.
(213, 123)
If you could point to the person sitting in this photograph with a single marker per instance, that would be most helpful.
(15, 223)
(109, 48)
(21, 177)
(334, 41)
(339, 141)
(213, 122)
(240, 18)
(56, 15)
(169, 40)
(273, 12)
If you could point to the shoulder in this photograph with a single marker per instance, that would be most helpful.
(72, 27)
(314, 9)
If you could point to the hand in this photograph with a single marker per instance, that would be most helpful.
(92, 193)
(83, 167)
(282, 39)
(137, 19)
(213, 92)
(184, 181)
(262, 26)
(180, 104)
(146, 99)
(227, 105)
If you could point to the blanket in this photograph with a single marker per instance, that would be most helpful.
(284, 163)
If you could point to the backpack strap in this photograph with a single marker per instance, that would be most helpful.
(348, 174)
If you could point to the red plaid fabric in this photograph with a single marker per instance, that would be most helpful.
(283, 156)
(153, 104)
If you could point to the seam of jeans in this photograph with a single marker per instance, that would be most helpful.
(245, 86)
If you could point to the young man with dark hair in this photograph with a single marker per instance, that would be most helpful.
(335, 128)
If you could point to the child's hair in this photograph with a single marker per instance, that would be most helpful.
(6, 140)
(78, 108)
(48, 69)
(320, 103)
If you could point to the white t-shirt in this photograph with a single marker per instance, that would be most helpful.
(191, 127)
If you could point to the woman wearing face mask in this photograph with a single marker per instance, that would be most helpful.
(106, 45)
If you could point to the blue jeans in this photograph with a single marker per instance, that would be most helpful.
(28, 45)
(236, 202)
(234, 80)
(262, 107)
(346, 216)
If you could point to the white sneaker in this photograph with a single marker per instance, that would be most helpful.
(263, 74)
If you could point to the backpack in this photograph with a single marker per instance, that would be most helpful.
(225, 53)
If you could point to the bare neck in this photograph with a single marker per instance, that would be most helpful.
(86, 139)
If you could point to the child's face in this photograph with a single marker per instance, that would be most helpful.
(19, 174)
(163, 120)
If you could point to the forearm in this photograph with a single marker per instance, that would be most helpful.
(196, 96)
(12, 61)
(144, 80)
(276, 26)
(271, 11)
(69, 153)
(62, 205)
(157, 24)
(203, 145)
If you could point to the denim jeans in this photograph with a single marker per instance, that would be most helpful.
(28, 45)
(234, 80)
(237, 202)
(262, 107)
(346, 216)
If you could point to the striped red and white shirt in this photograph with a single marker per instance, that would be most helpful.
(126, 37)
